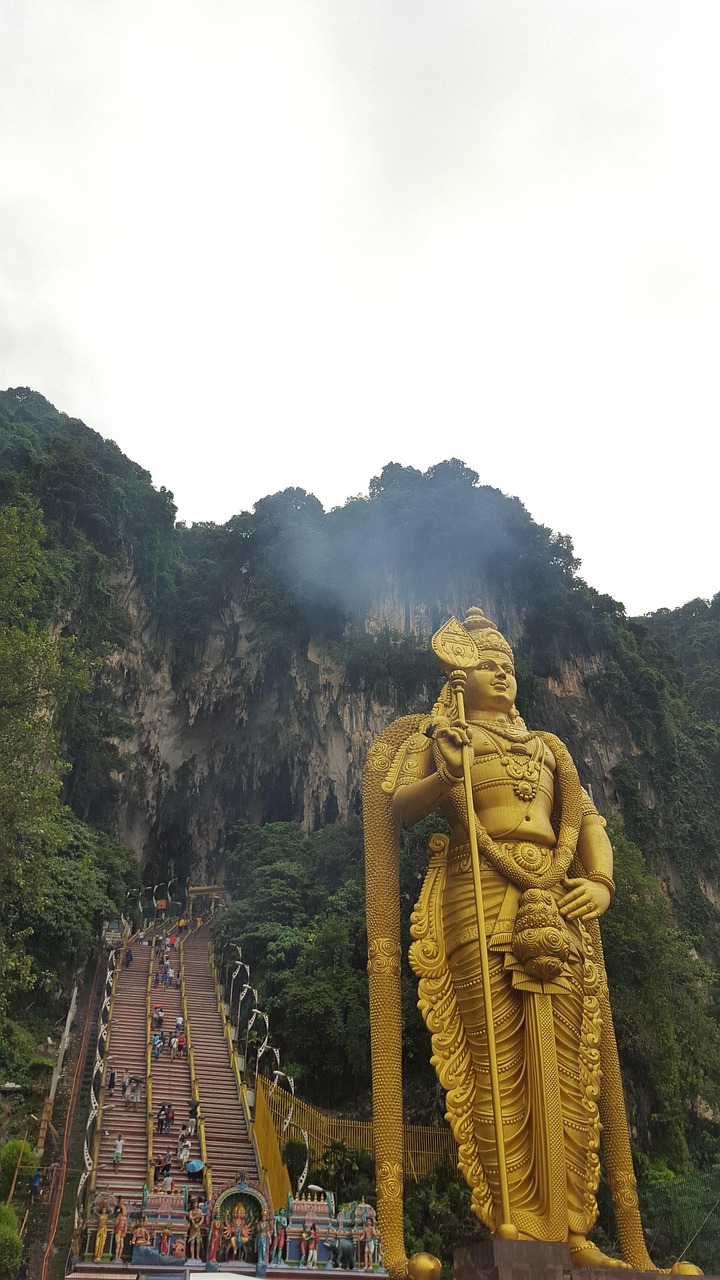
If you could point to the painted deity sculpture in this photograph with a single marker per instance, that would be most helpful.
(121, 1226)
(506, 924)
(101, 1235)
(262, 1240)
(280, 1232)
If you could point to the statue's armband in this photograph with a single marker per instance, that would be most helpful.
(412, 761)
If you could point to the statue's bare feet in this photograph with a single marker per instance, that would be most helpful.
(583, 1253)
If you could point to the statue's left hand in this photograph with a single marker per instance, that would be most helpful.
(584, 900)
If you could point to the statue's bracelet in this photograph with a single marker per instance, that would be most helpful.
(598, 878)
(444, 774)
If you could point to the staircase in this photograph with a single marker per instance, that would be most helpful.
(126, 1051)
(230, 1153)
(171, 1083)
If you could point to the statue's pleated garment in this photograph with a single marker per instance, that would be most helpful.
(546, 1044)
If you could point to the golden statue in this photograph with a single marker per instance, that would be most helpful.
(507, 950)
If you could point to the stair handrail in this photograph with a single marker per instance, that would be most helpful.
(97, 1135)
(194, 1087)
(235, 1064)
(150, 1173)
(242, 1094)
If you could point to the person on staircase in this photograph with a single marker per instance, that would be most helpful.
(183, 1134)
(193, 1108)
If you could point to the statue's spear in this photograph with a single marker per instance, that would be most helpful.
(458, 653)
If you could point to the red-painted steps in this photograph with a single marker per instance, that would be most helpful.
(171, 1082)
(126, 1051)
(230, 1152)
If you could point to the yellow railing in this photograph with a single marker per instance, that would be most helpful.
(268, 1142)
(98, 1119)
(195, 1091)
(274, 1177)
(425, 1146)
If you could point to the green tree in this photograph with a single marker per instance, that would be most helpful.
(338, 1167)
(668, 1040)
(36, 671)
(19, 1155)
(10, 1243)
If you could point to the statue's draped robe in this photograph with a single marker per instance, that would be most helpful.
(547, 1029)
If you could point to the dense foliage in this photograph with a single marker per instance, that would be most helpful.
(59, 879)
(10, 1242)
(693, 634)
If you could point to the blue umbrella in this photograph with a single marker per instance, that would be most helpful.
(194, 1166)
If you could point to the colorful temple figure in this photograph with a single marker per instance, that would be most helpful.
(196, 1219)
(229, 1239)
(164, 1245)
(262, 1240)
(214, 1239)
(239, 1214)
(100, 1235)
(508, 954)
(279, 1236)
(142, 1235)
(304, 1237)
(244, 1234)
(344, 1253)
(121, 1226)
(312, 1245)
(368, 1237)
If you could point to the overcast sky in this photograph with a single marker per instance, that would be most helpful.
(263, 244)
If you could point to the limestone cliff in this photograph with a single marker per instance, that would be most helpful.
(239, 734)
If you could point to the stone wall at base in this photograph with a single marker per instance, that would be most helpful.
(532, 1260)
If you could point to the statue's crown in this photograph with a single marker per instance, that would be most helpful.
(484, 632)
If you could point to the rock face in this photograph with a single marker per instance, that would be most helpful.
(242, 733)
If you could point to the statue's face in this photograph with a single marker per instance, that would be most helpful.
(491, 685)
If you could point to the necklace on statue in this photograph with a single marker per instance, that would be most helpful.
(524, 770)
(502, 728)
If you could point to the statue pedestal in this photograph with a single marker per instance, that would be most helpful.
(514, 1260)
(532, 1260)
